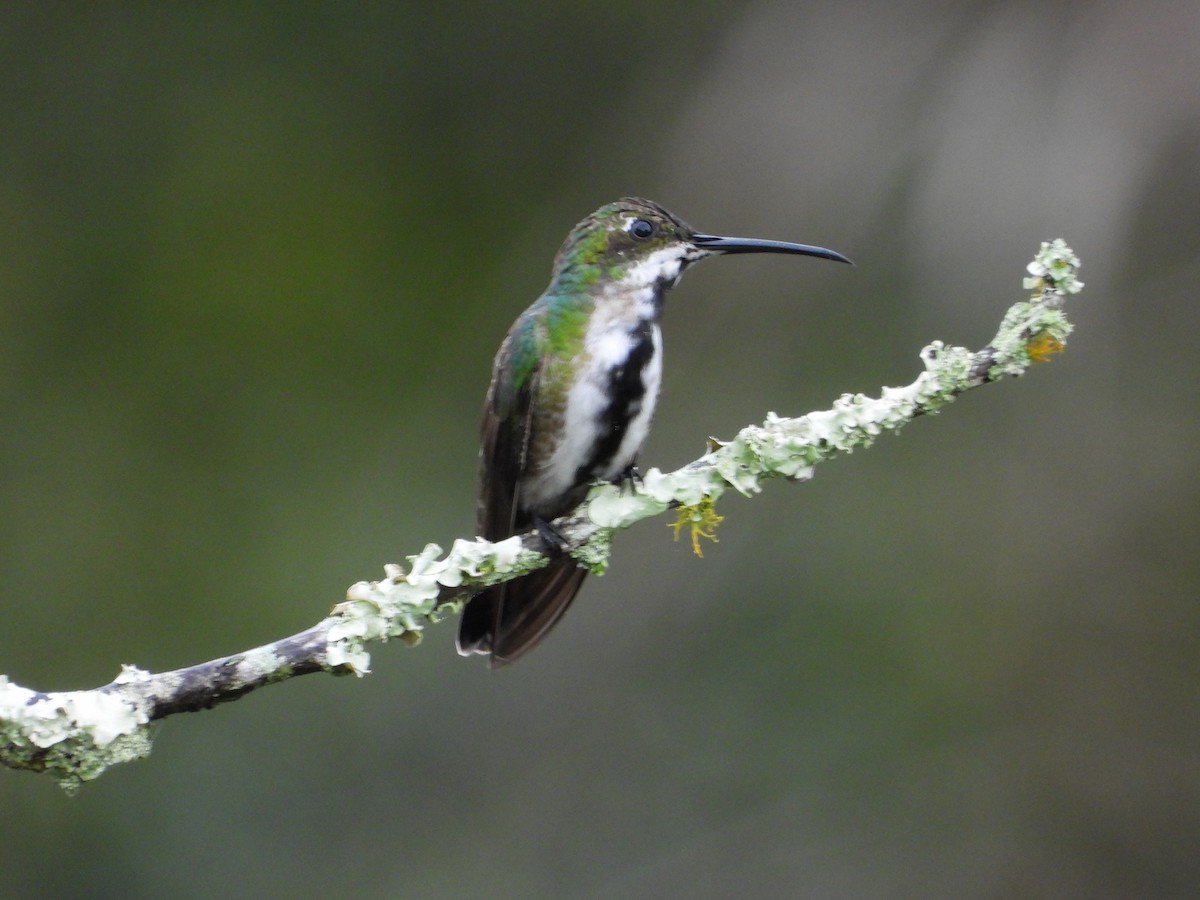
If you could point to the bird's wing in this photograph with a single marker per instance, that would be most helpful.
(507, 430)
(505, 434)
(509, 619)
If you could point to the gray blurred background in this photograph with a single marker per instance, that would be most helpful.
(254, 263)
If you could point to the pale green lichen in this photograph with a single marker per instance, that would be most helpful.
(1036, 328)
(691, 484)
(1054, 268)
(947, 374)
(405, 602)
(594, 553)
(261, 662)
(73, 735)
(610, 505)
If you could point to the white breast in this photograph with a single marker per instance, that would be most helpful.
(606, 345)
(639, 425)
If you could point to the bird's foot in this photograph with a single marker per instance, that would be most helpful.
(628, 479)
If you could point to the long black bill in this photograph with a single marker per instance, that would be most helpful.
(754, 245)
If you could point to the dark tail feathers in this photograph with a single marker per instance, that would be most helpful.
(510, 619)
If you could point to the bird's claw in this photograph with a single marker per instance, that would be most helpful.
(554, 540)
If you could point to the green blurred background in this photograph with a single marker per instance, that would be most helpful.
(255, 262)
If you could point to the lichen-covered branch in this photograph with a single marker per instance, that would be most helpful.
(75, 735)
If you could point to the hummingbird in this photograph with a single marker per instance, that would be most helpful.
(573, 391)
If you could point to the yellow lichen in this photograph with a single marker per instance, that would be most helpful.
(1042, 347)
(703, 520)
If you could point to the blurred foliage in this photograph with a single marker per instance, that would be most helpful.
(257, 260)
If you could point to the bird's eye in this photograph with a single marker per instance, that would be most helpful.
(641, 229)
